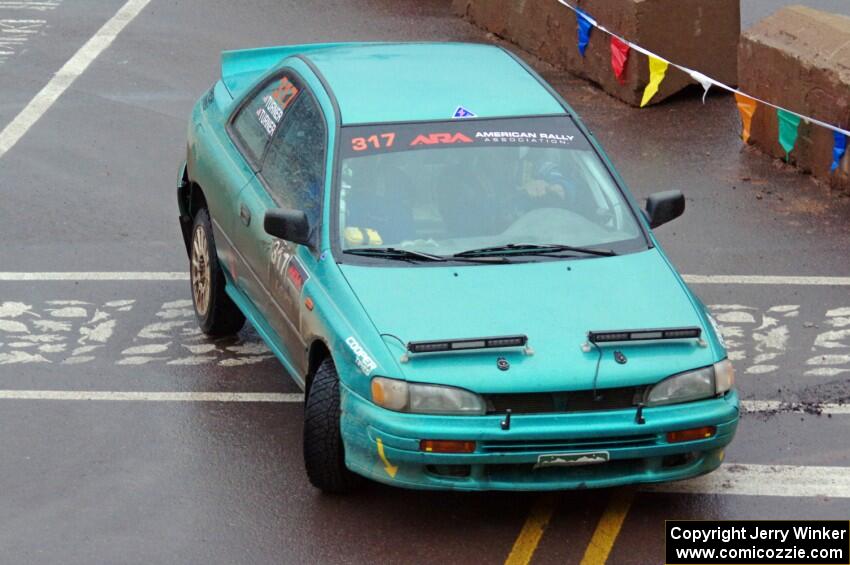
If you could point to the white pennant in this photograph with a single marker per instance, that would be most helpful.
(705, 81)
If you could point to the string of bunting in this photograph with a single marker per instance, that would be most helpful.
(789, 121)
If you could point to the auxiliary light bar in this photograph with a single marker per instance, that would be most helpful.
(466, 344)
(644, 335)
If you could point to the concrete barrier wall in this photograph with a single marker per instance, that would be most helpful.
(700, 34)
(799, 58)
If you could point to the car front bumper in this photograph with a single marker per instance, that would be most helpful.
(384, 446)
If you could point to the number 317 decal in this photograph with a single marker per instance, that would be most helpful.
(383, 140)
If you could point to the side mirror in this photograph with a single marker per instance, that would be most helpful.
(291, 225)
(662, 207)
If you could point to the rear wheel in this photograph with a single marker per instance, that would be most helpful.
(324, 452)
(216, 313)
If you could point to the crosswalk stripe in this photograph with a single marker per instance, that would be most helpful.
(766, 480)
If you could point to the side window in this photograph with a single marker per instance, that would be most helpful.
(258, 120)
(294, 164)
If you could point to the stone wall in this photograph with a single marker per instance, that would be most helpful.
(699, 34)
(799, 58)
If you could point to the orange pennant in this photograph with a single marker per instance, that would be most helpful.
(747, 107)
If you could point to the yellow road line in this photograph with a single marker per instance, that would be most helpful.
(608, 528)
(532, 531)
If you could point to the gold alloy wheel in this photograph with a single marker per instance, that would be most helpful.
(201, 270)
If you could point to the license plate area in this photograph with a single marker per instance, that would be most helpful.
(572, 459)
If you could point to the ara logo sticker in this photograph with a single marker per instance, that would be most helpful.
(361, 358)
(462, 112)
(440, 138)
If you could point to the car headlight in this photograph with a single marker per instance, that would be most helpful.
(707, 382)
(416, 398)
(724, 376)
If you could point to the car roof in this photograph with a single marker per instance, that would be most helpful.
(393, 82)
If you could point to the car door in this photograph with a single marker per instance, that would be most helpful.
(291, 176)
(222, 164)
(252, 128)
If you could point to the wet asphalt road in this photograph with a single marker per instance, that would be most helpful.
(91, 188)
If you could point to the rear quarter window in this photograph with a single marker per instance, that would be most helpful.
(257, 120)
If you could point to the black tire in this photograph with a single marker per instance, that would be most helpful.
(324, 452)
(216, 313)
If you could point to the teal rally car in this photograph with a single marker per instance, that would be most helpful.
(440, 254)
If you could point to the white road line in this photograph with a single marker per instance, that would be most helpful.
(766, 480)
(96, 276)
(183, 275)
(151, 396)
(14, 35)
(754, 406)
(28, 5)
(69, 72)
(768, 279)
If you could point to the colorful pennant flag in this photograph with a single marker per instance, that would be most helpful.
(584, 27)
(619, 58)
(747, 107)
(704, 81)
(657, 71)
(789, 125)
(788, 122)
(838, 150)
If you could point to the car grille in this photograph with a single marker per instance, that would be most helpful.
(557, 445)
(572, 401)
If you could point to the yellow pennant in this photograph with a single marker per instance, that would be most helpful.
(657, 70)
(747, 107)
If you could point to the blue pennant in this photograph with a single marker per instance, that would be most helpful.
(584, 27)
(838, 150)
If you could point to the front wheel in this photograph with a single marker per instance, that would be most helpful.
(216, 313)
(324, 452)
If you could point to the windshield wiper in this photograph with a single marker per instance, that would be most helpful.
(531, 249)
(409, 255)
(394, 253)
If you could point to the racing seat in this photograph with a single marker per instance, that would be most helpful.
(382, 200)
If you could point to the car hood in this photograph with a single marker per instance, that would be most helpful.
(554, 303)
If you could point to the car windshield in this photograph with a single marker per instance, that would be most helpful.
(467, 186)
